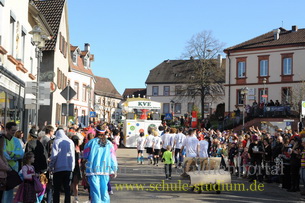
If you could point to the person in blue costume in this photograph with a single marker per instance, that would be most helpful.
(101, 163)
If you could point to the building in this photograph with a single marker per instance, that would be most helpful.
(55, 62)
(107, 101)
(270, 64)
(171, 84)
(134, 92)
(82, 80)
(18, 63)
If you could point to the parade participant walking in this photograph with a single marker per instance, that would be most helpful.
(62, 163)
(148, 144)
(101, 162)
(168, 162)
(140, 148)
(203, 151)
(13, 152)
(178, 140)
(156, 147)
(191, 145)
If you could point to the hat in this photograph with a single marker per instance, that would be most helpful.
(280, 130)
(33, 133)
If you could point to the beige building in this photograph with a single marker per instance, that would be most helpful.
(107, 101)
(56, 59)
(170, 84)
(271, 66)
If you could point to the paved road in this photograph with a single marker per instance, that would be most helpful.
(152, 179)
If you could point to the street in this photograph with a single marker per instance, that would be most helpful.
(155, 187)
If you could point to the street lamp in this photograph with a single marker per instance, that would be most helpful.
(265, 96)
(244, 92)
(39, 42)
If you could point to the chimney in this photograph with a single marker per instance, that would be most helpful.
(219, 61)
(294, 28)
(87, 47)
(276, 34)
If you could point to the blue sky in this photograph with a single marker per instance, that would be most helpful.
(131, 37)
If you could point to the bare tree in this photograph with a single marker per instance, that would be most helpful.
(206, 76)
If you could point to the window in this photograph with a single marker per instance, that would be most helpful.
(286, 95)
(74, 58)
(155, 90)
(178, 90)
(178, 108)
(241, 69)
(166, 108)
(262, 98)
(191, 90)
(23, 45)
(263, 67)
(76, 88)
(12, 35)
(190, 107)
(84, 93)
(76, 113)
(287, 66)
(240, 98)
(166, 91)
(2, 2)
(32, 65)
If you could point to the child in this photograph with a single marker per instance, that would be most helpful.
(168, 161)
(156, 147)
(140, 148)
(44, 181)
(28, 171)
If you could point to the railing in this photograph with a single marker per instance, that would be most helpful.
(230, 122)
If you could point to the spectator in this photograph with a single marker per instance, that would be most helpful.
(303, 165)
(35, 146)
(13, 152)
(277, 103)
(4, 167)
(62, 163)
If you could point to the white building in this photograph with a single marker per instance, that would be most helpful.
(17, 56)
(83, 82)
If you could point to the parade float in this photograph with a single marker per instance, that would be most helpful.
(141, 115)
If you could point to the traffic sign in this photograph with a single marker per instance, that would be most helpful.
(168, 116)
(92, 114)
(68, 93)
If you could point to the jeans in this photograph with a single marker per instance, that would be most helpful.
(168, 170)
(62, 178)
(177, 153)
(302, 173)
(8, 196)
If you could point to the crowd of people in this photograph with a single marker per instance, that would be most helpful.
(255, 154)
(60, 159)
(63, 158)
